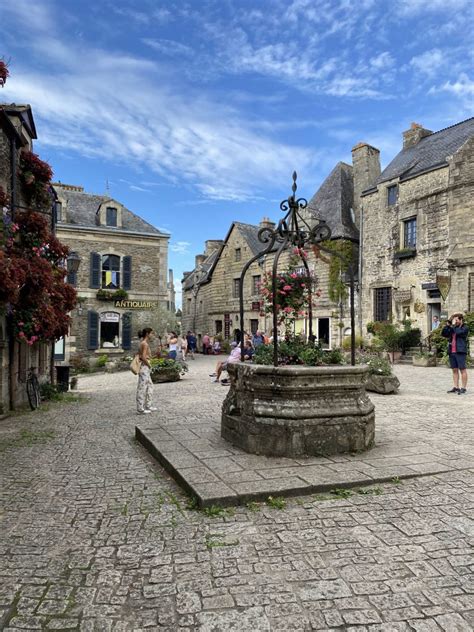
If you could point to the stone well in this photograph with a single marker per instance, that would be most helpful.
(298, 411)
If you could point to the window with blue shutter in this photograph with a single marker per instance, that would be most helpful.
(96, 261)
(127, 273)
(127, 331)
(92, 330)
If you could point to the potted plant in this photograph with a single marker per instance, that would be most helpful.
(424, 358)
(381, 378)
(166, 370)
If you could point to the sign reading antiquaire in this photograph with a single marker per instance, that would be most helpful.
(136, 304)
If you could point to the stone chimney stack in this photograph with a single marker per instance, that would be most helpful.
(212, 245)
(199, 260)
(413, 135)
(267, 223)
(366, 170)
(171, 276)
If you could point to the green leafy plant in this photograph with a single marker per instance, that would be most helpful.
(334, 356)
(360, 343)
(337, 289)
(102, 360)
(341, 492)
(276, 502)
(376, 363)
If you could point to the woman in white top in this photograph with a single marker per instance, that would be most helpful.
(173, 346)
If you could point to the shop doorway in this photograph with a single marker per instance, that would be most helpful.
(324, 333)
(434, 309)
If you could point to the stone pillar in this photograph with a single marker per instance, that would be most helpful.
(366, 170)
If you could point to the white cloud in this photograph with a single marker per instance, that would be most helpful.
(168, 47)
(181, 247)
(412, 7)
(429, 62)
(462, 87)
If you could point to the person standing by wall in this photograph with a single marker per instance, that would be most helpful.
(457, 332)
(435, 323)
(145, 385)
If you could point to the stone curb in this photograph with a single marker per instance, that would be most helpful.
(219, 493)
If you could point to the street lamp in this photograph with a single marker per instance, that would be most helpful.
(73, 262)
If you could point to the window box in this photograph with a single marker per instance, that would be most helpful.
(405, 253)
(107, 295)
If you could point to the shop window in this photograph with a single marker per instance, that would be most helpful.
(218, 326)
(60, 349)
(110, 272)
(254, 325)
(382, 304)
(109, 330)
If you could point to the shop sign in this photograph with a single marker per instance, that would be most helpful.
(109, 317)
(402, 296)
(429, 286)
(443, 281)
(256, 306)
(136, 304)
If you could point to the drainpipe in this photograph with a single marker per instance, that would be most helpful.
(361, 259)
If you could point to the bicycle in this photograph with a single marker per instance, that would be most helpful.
(32, 389)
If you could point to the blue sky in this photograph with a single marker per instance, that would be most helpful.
(198, 112)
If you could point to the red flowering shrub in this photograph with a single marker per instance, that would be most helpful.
(36, 176)
(32, 279)
(4, 72)
(293, 290)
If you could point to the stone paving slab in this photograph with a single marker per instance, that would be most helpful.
(218, 473)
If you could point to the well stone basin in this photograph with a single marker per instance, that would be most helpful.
(298, 411)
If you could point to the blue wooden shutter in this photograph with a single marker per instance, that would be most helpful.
(127, 273)
(92, 330)
(96, 261)
(127, 331)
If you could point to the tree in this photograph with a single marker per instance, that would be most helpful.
(163, 321)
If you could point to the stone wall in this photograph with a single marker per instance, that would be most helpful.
(442, 202)
(215, 298)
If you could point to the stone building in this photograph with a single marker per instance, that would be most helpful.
(17, 132)
(211, 290)
(417, 222)
(122, 277)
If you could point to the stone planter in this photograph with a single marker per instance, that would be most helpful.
(384, 384)
(165, 375)
(298, 411)
(424, 360)
(394, 356)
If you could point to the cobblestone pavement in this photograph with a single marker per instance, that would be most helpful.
(95, 536)
(419, 432)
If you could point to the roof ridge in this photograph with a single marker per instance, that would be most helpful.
(449, 127)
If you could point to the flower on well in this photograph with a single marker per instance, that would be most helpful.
(287, 288)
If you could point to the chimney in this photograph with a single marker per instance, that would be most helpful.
(199, 260)
(170, 276)
(212, 245)
(266, 223)
(365, 170)
(413, 135)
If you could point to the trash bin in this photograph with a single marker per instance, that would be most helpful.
(62, 378)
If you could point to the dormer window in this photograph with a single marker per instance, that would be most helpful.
(111, 216)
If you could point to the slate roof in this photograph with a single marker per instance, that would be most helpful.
(82, 211)
(205, 267)
(333, 202)
(429, 153)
